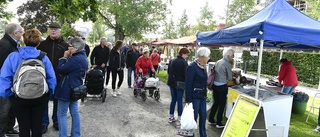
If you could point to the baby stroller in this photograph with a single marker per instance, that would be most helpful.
(143, 84)
(95, 84)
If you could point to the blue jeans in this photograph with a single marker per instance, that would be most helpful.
(45, 117)
(200, 108)
(288, 89)
(176, 96)
(130, 69)
(63, 119)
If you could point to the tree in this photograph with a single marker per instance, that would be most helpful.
(313, 9)
(205, 21)
(35, 14)
(183, 26)
(128, 18)
(240, 10)
(169, 31)
(5, 14)
(98, 31)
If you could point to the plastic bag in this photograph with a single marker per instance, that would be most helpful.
(187, 118)
(300, 96)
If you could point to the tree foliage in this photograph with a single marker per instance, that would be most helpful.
(98, 31)
(35, 14)
(127, 17)
(183, 26)
(5, 14)
(205, 22)
(240, 10)
(169, 31)
(313, 9)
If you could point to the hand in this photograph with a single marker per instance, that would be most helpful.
(153, 70)
(103, 65)
(66, 54)
(94, 66)
(140, 70)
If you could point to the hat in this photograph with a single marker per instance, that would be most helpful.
(134, 44)
(54, 25)
(145, 50)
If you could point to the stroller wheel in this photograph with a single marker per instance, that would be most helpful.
(143, 96)
(157, 95)
(104, 95)
(135, 92)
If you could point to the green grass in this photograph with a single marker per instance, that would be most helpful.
(298, 125)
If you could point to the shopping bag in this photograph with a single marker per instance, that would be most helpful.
(187, 118)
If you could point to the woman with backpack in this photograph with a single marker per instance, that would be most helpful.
(28, 101)
(72, 66)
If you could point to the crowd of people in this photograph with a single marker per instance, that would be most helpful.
(66, 64)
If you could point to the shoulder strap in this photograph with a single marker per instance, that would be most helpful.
(42, 54)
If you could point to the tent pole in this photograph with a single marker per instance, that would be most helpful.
(281, 52)
(259, 69)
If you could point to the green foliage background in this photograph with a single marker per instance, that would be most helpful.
(307, 64)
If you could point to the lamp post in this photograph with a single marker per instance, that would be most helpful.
(227, 13)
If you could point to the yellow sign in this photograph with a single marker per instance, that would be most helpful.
(242, 118)
(232, 95)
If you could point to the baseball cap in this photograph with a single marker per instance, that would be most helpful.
(54, 25)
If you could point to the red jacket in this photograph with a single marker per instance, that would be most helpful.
(155, 59)
(287, 74)
(143, 64)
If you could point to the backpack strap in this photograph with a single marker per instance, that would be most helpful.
(42, 54)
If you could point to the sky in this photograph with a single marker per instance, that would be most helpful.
(192, 9)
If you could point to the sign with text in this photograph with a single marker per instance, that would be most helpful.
(242, 117)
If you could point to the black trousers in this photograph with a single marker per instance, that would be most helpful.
(7, 117)
(220, 98)
(114, 78)
(108, 75)
(29, 114)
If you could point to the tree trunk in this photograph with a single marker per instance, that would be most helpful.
(119, 33)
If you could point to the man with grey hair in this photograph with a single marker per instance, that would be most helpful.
(222, 74)
(100, 55)
(9, 43)
(55, 47)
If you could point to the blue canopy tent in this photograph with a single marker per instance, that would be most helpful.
(279, 25)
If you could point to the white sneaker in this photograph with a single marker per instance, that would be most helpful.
(114, 94)
(118, 93)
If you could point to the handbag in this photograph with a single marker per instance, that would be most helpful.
(180, 85)
(77, 92)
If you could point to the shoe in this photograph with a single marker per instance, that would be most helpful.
(220, 125)
(118, 93)
(317, 129)
(212, 123)
(12, 132)
(171, 119)
(114, 94)
(56, 126)
(44, 129)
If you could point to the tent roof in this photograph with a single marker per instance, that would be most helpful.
(279, 25)
(183, 40)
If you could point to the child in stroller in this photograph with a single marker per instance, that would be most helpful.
(143, 83)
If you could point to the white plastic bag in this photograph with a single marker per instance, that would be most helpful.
(187, 118)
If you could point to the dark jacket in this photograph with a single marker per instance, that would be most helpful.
(7, 45)
(196, 82)
(99, 55)
(176, 70)
(87, 49)
(55, 49)
(131, 58)
(116, 60)
(73, 71)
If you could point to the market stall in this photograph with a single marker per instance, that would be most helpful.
(279, 25)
